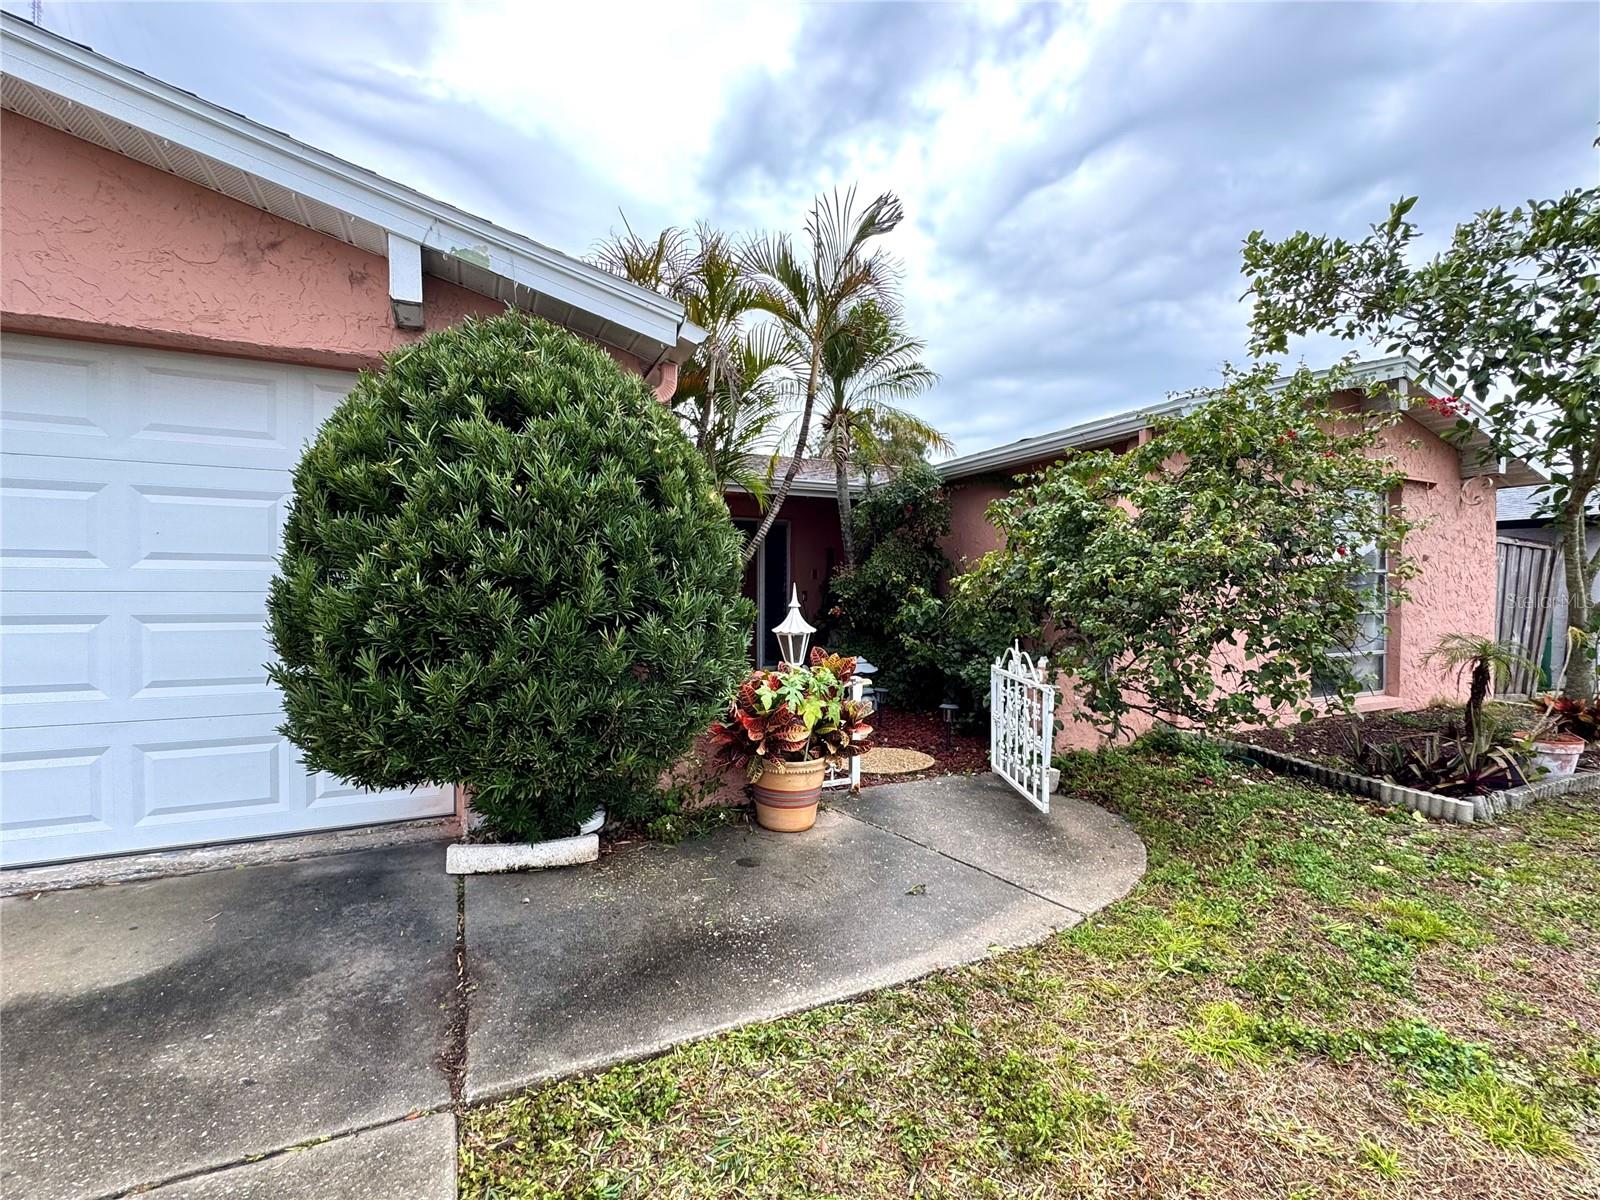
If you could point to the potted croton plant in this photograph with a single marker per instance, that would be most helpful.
(786, 727)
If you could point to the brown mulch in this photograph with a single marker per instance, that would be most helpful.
(925, 732)
(1331, 740)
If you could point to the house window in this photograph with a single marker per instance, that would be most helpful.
(1366, 657)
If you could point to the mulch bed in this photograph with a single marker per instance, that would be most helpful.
(1330, 740)
(923, 731)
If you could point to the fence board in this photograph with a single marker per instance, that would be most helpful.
(1525, 572)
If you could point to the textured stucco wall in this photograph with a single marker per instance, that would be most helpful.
(1454, 588)
(971, 536)
(94, 245)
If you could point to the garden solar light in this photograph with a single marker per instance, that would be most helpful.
(794, 635)
(949, 709)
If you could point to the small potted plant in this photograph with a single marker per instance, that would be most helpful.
(786, 727)
(1552, 747)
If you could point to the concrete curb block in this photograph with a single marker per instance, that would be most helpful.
(1474, 809)
(487, 858)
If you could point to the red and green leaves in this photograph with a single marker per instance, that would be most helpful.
(794, 714)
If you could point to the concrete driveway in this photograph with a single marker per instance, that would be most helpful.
(297, 1029)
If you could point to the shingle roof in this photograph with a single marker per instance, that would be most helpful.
(1526, 506)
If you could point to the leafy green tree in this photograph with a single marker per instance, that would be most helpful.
(1509, 312)
(868, 363)
(810, 296)
(1214, 572)
(504, 566)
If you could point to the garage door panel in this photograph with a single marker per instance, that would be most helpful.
(84, 400)
(77, 658)
(96, 525)
(59, 397)
(74, 792)
(56, 790)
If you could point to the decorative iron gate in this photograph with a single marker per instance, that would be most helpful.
(1022, 710)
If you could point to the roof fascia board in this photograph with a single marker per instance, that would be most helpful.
(1091, 433)
(83, 77)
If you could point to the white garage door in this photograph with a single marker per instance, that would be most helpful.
(142, 495)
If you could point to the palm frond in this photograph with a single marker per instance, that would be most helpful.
(660, 263)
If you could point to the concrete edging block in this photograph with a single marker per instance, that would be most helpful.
(487, 858)
(1476, 810)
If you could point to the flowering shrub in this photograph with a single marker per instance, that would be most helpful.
(1447, 406)
(1220, 570)
(794, 714)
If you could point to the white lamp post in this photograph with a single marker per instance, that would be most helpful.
(794, 635)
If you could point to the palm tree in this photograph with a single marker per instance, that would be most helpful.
(1484, 661)
(869, 362)
(701, 272)
(811, 297)
(658, 263)
(716, 296)
(753, 394)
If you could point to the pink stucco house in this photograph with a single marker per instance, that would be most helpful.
(185, 294)
(1450, 489)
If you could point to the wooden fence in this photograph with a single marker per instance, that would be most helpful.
(1526, 574)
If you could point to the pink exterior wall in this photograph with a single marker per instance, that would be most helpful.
(814, 542)
(971, 536)
(97, 246)
(1452, 592)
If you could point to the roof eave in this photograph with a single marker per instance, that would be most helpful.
(633, 318)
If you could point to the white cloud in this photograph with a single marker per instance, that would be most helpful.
(635, 89)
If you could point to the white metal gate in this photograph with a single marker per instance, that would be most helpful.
(1022, 708)
(850, 777)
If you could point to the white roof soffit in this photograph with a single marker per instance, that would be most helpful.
(69, 87)
(1105, 431)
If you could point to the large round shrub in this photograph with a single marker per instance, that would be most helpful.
(505, 566)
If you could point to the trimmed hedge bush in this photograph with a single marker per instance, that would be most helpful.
(505, 566)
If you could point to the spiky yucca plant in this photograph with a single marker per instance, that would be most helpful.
(505, 566)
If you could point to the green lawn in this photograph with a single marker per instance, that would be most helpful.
(1303, 998)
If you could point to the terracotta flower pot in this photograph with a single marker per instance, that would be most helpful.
(1557, 753)
(787, 794)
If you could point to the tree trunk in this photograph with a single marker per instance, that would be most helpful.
(1477, 693)
(707, 405)
(841, 485)
(1579, 570)
(775, 501)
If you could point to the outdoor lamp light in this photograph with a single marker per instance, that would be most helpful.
(949, 709)
(794, 635)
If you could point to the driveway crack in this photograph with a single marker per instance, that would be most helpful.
(453, 1055)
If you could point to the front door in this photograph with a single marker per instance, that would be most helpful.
(766, 581)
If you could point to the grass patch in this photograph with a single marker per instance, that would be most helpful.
(1304, 997)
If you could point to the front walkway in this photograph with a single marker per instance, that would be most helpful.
(308, 1014)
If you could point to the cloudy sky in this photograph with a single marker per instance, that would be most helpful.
(1077, 179)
